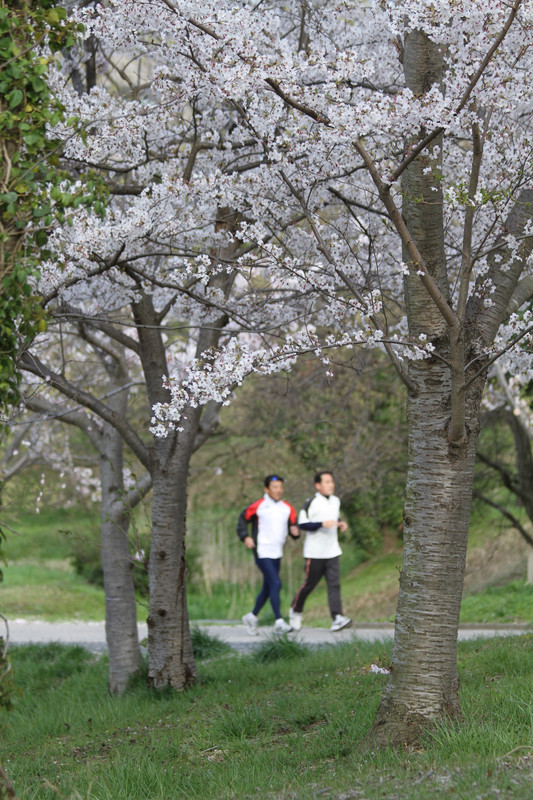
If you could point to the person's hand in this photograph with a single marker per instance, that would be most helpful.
(294, 530)
(343, 526)
(330, 523)
(249, 542)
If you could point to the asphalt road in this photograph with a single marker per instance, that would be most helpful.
(92, 634)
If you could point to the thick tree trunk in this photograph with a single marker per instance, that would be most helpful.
(423, 683)
(170, 652)
(121, 610)
(171, 659)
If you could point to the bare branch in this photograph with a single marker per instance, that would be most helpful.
(415, 255)
(31, 363)
(507, 514)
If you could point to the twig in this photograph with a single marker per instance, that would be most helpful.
(498, 355)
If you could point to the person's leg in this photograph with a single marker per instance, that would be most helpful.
(314, 569)
(333, 580)
(271, 584)
(264, 592)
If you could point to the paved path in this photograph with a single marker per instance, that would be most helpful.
(92, 634)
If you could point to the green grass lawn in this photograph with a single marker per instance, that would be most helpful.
(286, 728)
(502, 604)
(51, 591)
(49, 534)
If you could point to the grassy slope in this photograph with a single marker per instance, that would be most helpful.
(283, 729)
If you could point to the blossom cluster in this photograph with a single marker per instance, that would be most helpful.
(231, 137)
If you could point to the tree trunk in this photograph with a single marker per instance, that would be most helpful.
(170, 653)
(121, 610)
(423, 683)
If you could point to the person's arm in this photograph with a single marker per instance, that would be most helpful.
(249, 515)
(294, 531)
(303, 520)
(242, 530)
(311, 527)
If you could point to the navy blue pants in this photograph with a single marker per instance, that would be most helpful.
(271, 585)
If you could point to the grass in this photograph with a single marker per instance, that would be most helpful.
(207, 646)
(51, 591)
(49, 534)
(278, 648)
(282, 730)
(504, 604)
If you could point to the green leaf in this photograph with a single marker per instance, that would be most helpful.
(41, 237)
(15, 98)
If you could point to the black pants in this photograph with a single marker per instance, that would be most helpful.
(315, 568)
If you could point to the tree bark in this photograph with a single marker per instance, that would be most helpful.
(122, 638)
(423, 683)
(170, 653)
(443, 423)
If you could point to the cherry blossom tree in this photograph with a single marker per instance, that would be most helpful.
(369, 165)
(154, 285)
(507, 402)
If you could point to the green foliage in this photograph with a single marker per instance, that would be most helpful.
(34, 191)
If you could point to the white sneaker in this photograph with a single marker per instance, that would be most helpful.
(280, 626)
(340, 622)
(250, 620)
(296, 619)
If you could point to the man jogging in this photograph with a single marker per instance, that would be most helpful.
(272, 519)
(319, 518)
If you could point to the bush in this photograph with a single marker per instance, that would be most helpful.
(87, 561)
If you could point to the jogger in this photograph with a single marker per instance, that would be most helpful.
(272, 519)
(319, 518)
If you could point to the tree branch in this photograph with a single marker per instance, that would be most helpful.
(507, 514)
(31, 363)
(464, 99)
(75, 418)
(414, 254)
(522, 293)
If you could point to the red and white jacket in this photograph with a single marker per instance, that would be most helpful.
(270, 520)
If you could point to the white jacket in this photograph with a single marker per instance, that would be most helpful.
(320, 542)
